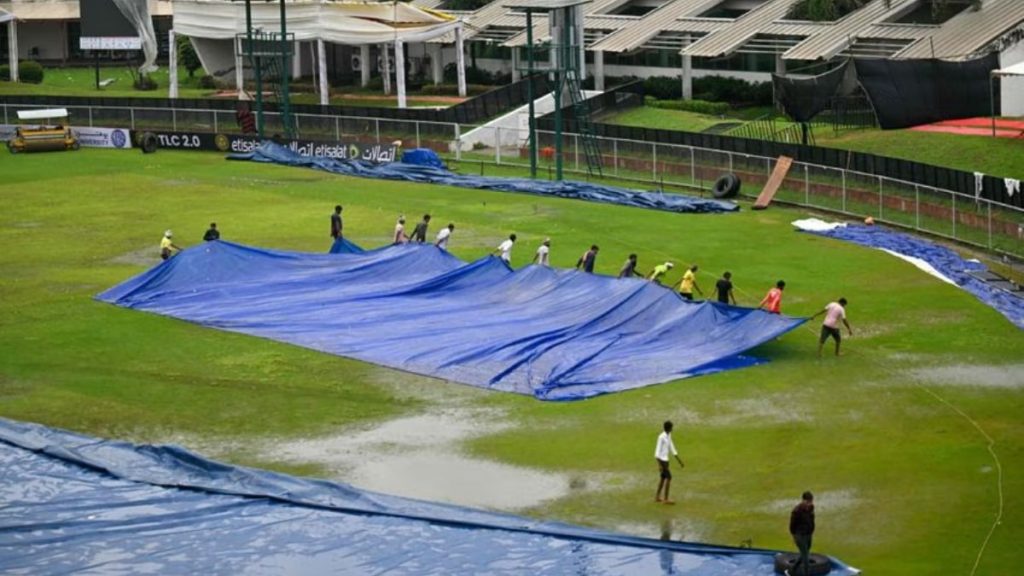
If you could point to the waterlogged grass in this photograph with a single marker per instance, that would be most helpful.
(904, 482)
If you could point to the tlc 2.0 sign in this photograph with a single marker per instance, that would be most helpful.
(233, 143)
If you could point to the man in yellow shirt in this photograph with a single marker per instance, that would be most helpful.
(659, 271)
(689, 282)
(167, 246)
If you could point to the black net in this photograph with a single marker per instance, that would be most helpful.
(804, 98)
(914, 92)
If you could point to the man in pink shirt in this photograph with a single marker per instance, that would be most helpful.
(834, 313)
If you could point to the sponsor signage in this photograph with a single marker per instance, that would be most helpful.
(236, 143)
(103, 137)
(110, 43)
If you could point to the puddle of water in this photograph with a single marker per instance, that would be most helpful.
(973, 375)
(829, 501)
(674, 529)
(149, 256)
(419, 457)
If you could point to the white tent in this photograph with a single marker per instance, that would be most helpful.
(1015, 70)
(352, 23)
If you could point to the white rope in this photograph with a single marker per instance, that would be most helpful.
(999, 471)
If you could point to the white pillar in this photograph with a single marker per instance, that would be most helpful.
(297, 61)
(687, 77)
(581, 43)
(321, 66)
(400, 71)
(516, 74)
(12, 47)
(460, 60)
(239, 70)
(386, 66)
(366, 65)
(599, 71)
(437, 63)
(780, 65)
(172, 65)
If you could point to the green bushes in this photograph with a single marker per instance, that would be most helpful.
(476, 76)
(30, 72)
(452, 89)
(698, 106)
(207, 82)
(144, 82)
(5, 73)
(733, 91)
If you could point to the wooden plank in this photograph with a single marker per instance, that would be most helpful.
(782, 166)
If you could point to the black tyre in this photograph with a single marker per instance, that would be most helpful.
(787, 560)
(148, 142)
(727, 186)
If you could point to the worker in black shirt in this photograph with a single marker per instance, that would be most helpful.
(629, 268)
(724, 289)
(801, 527)
(336, 223)
(419, 234)
(588, 259)
(212, 233)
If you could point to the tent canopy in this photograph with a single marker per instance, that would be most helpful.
(352, 23)
(1015, 70)
(5, 16)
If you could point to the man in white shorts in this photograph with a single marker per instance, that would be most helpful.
(442, 237)
(504, 249)
(541, 257)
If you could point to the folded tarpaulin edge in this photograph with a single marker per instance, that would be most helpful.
(68, 446)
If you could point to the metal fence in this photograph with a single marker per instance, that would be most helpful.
(967, 219)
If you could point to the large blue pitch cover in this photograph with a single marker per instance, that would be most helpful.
(553, 334)
(75, 504)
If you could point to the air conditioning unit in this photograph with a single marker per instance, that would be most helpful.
(380, 64)
(357, 63)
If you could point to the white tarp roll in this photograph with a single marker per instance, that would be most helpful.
(137, 12)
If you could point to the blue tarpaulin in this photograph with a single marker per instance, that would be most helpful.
(943, 259)
(76, 504)
(422, 157)
(273, 153)
(553, 334)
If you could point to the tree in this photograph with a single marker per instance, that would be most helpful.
(187, 56)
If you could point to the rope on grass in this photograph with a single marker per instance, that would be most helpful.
(999, 471)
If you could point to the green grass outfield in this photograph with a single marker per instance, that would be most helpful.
(997, 156)
(905, 482)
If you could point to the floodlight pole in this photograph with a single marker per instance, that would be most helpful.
(256, 69)
(532, 128)
(285, 103)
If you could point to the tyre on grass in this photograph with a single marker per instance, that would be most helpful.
(148, 142)
(787, 560)
(727, 186)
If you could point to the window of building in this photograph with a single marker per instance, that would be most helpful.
(636, 7)
(732, 8)
(932, 11)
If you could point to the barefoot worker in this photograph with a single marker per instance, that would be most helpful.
(659, 271)
(504, 250)
(661, 454)
(689, 283)
(834, 313)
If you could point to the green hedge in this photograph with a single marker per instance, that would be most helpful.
(734, 91)
(30, 72)
(698, 106)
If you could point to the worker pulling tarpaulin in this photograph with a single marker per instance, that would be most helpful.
(551, 334)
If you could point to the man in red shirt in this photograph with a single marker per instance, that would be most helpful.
(772, 301)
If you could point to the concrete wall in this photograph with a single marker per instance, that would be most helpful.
(1012, 92)
(49, 38)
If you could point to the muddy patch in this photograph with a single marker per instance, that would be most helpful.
(763, 411)
(1010, 376)
(147, 257)
(420, 457)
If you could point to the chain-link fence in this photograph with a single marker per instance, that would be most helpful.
(970, 220)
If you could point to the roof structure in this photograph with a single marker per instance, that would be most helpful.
(34, 10)
(879, 29)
